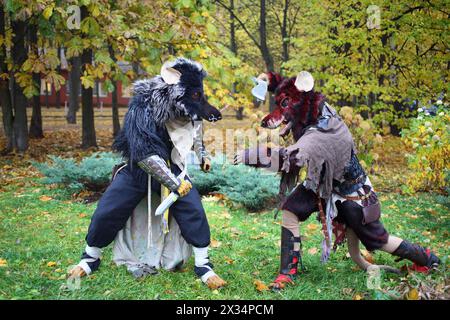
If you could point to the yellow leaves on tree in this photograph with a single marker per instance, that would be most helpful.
(87, 80)
(48, 11)
(55, 79)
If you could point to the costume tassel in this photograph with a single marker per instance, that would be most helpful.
(165, 193)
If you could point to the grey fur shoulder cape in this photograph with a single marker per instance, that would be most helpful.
(143, 133)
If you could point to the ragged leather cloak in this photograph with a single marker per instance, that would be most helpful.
(325, 150)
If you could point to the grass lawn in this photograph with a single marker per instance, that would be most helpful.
(42, 234)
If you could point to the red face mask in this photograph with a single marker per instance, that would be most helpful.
(295, 109)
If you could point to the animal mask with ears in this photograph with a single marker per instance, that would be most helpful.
(297, 104)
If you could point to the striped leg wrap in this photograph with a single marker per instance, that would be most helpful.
(90, 259)
(203, 268)
(205, 271)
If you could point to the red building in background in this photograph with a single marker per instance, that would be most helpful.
(49, 96)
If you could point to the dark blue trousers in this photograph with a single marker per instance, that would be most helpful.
(123, 195)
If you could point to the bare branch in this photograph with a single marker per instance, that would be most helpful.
(408, 12)
(294, 21)
(250, 35)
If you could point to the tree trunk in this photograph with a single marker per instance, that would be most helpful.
(58, 70)
(36, 116)
(74, 89)
(115, 110)
(97, 93)
(47, 105)
(5, 93)
(58, 98)
(135, 67)
(233, 48)
(284, 32)
(88, 127)
(265, 51)
(114, 103)
(19, 55)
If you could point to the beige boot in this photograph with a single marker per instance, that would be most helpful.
(215, 282)
(76, 272)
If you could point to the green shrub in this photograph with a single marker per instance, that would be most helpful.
(243, 186)
(92, 173)
(251, 188)
(445, 199)
(209, 182)
(429, 138)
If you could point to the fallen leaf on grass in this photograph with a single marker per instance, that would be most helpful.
(228, 260)
(225, 215)
(3, 263)
(357, 297)
(260, 286)
(215, 243)
(51, 264)
(259, 236)
(82, 215)
(219, 196)
(45, 198)
(312, 251)
(413, 294)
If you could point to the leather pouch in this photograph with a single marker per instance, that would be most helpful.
(371, 207)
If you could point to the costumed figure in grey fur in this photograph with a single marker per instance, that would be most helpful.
(159, 131)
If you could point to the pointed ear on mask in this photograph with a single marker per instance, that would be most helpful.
(304, 81)
(169, 74)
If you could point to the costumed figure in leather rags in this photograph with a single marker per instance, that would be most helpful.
(336, 185)
(161, 126)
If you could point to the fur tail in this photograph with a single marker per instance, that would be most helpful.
(357, 257)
